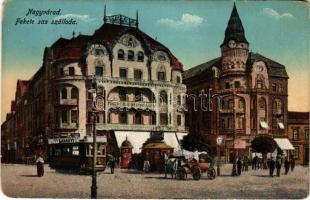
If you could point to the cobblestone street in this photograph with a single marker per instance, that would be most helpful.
(21, 181)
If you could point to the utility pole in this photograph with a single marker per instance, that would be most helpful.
(94, 173)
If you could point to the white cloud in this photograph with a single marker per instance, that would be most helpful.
(186, 21)
(272, 13)
(84, 18)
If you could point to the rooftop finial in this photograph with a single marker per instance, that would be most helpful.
(137, 18)
(105, 14)
(73, 34)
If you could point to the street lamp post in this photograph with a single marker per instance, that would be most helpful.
(94, 173)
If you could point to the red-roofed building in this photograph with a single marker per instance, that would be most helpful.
(139, 83)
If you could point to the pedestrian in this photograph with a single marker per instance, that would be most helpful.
(239, 166)
(292, 163)
(254, 162)
(146, 166)
(271, 166)
(40, 166)
(112, 164)
(166, 159)
(278, 165)
(245, 164)
(286, 165)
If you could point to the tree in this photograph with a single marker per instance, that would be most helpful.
(263, 145)
(190, 142)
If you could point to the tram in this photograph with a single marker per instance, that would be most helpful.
(75, 154)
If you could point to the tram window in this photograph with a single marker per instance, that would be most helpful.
(75, 150)
(57, 152)
(66, 151)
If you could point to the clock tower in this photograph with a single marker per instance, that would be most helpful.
(235, 47)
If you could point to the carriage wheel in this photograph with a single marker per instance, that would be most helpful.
(196, 173)
(211, 173)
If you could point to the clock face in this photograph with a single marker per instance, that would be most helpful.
(231, 44)
(260, 68)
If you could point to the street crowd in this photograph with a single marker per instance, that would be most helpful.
(273, 163)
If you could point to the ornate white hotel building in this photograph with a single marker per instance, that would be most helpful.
(138, 78)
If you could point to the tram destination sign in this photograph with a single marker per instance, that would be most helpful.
(63, 140)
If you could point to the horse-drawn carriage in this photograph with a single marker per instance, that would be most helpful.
(179, 167)
(196, 169)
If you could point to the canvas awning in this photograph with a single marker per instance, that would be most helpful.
(284, 144)
(281, 125)
(239, 144)
(264, 125)
(138, 138)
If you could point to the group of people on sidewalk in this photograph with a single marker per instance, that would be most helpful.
(278, 165)
(242, 164)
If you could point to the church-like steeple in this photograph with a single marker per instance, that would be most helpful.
(234, 30)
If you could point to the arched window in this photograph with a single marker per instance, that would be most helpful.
(163, 97)
(178, 79)
(262, 104)
(277, 106)
(71, 71)
(64, 93)
(74, 93)
(131, 55)
(179, 100)
(138, 96)
(123, 118)
(122, 95)
(161, 76)
(140, 56)
(138, 118)
(121, 54)
(260, 83)
(99, 70)
(241, 104)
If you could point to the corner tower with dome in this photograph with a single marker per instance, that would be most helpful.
(248, 95)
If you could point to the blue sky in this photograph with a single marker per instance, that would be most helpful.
(193, 30)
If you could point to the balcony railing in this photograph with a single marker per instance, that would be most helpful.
(130, 104)
(68, 126)
(139, 83)
(134, 127)
(68, 102)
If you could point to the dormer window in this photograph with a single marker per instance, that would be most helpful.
(71, 71)
(140, 56)
(121, 54)
(131, 55)
(99, 52)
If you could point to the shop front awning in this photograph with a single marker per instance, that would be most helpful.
(263, 125)
(135, 138)
(138, 138)
(281, 125)
(284, 144)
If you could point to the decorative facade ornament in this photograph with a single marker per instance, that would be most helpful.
(97, 50)
(129, 41)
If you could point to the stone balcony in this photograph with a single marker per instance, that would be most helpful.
(131, 104)
(134, 127)
(68, 125)
(139, 83)
(72, 102)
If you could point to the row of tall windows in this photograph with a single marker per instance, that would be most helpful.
(73, 92)
(65, 116)
(130, 55)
